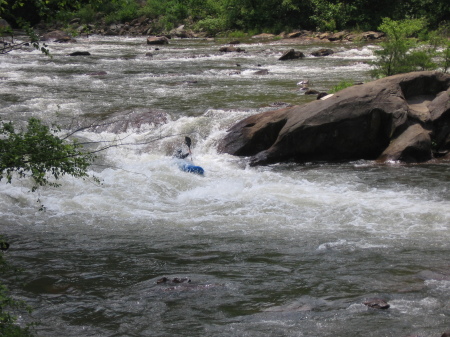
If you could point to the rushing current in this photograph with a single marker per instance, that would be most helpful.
(281, 250)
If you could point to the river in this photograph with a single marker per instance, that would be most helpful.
(281, 250)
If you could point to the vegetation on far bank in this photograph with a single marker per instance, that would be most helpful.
(220, 16)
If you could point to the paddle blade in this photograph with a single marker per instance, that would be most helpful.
(188, 141)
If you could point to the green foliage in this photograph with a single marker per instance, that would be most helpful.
(39, 154)
(9, 307)
(152, 9)
(214, 16)
(445, 58)
(121, 11)
(400, 53)
(169, 13)
(211, 26)
(8, 320)
(341, 85)
(403, 51)
(8, 43)
(440, 41)
(330, 15)
(87, 14)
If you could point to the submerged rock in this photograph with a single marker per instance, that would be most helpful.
(231, 49)
(376, 303)
(174, 280)
(261, 72)
(97, 73)
(80, 53)
(127, 121)
(387, 119)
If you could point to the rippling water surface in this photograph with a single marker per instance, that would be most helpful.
(284, 250)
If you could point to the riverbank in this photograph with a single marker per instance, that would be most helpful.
(144, 27)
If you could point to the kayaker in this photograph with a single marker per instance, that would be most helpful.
(180, 155)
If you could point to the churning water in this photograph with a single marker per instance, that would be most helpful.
(283, 250)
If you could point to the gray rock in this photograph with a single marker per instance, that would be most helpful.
(322, 52)
(291, 55)
(157, 40)
(231, 49)
(80, 53)
(361, 122)
(411, 146)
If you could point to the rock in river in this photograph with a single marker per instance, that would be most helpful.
(80, 53)
(404, 117)
(376, 303)
(322, 52)
(157, 40)
(291, 55)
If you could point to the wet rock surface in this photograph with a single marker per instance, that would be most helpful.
(398, 118)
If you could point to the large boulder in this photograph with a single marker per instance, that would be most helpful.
(404, 117)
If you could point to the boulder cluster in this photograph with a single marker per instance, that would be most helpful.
(402, 118)
(145, 26)
(138, 27)
(308, 35)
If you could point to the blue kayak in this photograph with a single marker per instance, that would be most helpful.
(188, 166)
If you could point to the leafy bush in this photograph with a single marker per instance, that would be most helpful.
(124, 11)
(87, 14)
(329, 16)
(440, 40)
(400, 53)
(211, 26)
(152, 9)
(9, 307)
(39, 154)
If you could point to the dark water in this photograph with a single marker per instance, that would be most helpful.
(271, 251)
